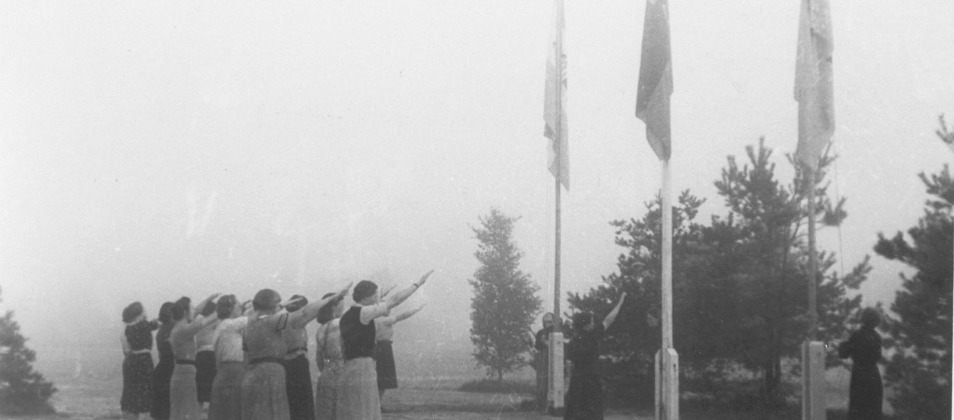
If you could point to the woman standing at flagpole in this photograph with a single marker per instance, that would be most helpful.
(263, 389)
(358, 397)
(584, 399)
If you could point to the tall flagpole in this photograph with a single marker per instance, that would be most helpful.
(666, 256)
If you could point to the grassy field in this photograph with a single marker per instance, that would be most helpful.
(90, 382)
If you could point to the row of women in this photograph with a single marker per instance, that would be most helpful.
(257, 355)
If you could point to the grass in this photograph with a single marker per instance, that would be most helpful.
(493, 386)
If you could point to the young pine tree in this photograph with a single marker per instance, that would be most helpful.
(504, 303)
(920, 369)
(22, 391)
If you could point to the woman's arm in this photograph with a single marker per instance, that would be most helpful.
(198, 308)
(124, 343)
(401, 296)
(301, 317)
(612, 315)
(198, 324)
(408, 314)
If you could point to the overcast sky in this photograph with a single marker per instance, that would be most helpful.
(149, 151)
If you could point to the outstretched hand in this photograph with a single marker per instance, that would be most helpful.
(344, 291)
(424, 278)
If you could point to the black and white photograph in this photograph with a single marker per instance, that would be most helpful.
(517, 210)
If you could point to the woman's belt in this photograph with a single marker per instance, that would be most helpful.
(259, 360)
(140, 351)
(185, 362)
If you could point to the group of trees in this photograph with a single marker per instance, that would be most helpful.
(740, 286)
(22, 390)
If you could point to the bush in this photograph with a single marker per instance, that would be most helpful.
(493, 386)
(22, 391)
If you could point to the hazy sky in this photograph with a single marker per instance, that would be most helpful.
(149, 151)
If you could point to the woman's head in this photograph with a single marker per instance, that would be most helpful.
(182, 309)
(366, 291)
(208, 309)
(296, 304)
(870, 317)
(548, 319)
(131, 312)
(165, 312)
(266, 300)
(225, 307)
(582, 321)
(330, 311)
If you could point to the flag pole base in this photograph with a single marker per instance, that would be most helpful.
(814, 400)
(555, 388)
(667, 384)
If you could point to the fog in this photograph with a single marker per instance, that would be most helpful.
(153, 151)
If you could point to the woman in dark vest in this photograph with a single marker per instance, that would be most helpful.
(263, 390)
(137, 364)
(584, 399)
(205, 358)
(163, 371)
(864, 349)
(358, 397)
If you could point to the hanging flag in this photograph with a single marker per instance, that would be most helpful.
(554, 102)
(813, 81)
(655, 78)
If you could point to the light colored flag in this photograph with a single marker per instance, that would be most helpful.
(655, 78)
(554, 102)
(813, 81)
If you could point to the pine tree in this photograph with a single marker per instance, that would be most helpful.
(920, 369)
(22, 391)
(504, 303)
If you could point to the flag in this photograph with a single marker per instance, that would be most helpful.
(554, 102)
(813, 81)
(655, 78)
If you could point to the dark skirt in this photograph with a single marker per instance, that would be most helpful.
(865, 393)
(384, 358)
(301, 403)
(226, 403)
(160, 388)
(137, 384)
(542, 365)
(584, 399)
(263, 393)
(204, 374)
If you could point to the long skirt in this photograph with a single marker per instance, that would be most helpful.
(160, 388)
(137, 384)
(226, 403)
(263, 393)
(204, 374)
(326, 392)
(384, 359)
(542, 365)
(182, 395)
(301, 403)
(584, 399)
(865, 393)
(358, 391)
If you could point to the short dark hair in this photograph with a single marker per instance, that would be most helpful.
(132, 311)
(364, 289)
(181, 308)
(224, 306)
(870, 317)
(165, 312)
(208, 309)
(327, 312)
(297, 304)
(266, 300)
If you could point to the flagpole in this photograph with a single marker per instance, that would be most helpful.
(555, 368)
(666, 256)
(812, 259)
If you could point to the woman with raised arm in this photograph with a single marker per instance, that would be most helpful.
(358, 397)
(205, 357)
(301, 403)
(263, 390)
(329, 358)
(541, 361)
(162, 374)
(584, 399)
(184, 400)
(384, 353)
(137, 364)
(226, 397)
(864, 348)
